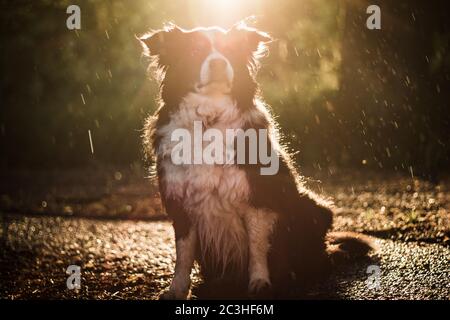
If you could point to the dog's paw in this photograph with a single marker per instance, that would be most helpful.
(260, 289)
(172, 295)
(167, 295)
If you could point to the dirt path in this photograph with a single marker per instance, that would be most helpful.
(50, 220)
(134, 260)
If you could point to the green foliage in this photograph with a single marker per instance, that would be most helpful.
(57, 84)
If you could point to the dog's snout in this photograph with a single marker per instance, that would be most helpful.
(217, 64)
(216, 69)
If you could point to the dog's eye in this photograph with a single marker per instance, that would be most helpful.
(199, 47)
(196, 51)
(225, 46)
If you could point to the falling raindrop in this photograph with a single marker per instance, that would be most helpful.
(118, 175)
(90, 141)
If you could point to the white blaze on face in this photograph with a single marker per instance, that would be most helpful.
(215, 57)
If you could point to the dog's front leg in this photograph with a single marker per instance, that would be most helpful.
(260, 225)
(181, 282)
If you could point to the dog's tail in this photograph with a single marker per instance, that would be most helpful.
(348, 246)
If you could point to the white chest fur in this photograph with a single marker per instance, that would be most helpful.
(214, 196)
(195, 182)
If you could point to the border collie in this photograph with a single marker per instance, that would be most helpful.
(262, 232)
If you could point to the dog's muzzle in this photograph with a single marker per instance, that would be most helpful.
(216, 69)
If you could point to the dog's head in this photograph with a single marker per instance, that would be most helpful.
(206, 60)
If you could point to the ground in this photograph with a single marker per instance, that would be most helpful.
(110, 223)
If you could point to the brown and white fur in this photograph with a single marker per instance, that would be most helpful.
(264, 231)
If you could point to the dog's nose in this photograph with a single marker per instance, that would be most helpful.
(216, 69)
(217, 65)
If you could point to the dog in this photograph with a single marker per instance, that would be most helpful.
(261, 233)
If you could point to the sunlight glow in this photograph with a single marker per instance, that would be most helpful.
(222, 13)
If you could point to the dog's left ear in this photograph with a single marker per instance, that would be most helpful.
(253, 40)
(257, 39)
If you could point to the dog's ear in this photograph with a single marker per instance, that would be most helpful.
(160, 42)
(253, 41)
(257, 40)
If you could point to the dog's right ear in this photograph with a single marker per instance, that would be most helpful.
(160, 42)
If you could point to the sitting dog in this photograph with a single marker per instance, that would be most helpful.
(266, 232)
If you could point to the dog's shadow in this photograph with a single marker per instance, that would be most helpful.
(341, 282)
(337, 285)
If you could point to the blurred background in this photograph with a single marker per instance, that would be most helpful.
(346, 97)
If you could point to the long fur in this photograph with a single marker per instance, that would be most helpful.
(215, 199)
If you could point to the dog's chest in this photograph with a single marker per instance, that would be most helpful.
(204, 188)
